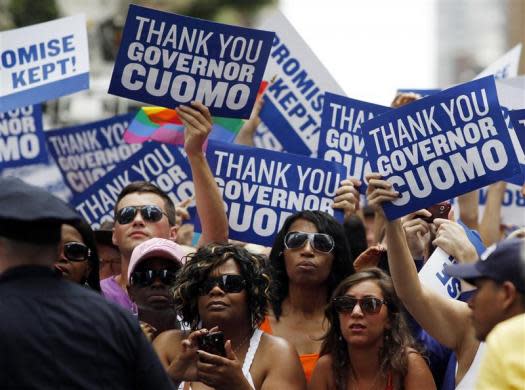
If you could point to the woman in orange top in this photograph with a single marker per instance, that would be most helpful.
(309, 258)
(368, 344)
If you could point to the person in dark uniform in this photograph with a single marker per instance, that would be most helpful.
(55, 334)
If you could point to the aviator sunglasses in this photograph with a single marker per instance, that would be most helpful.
(76, 251)
(368, 305)
(146, 278)
(149, 213)
(319, 241)
(227, 283)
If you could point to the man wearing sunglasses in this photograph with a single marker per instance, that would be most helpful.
(152, 270)
(143, 211)
(56, 334)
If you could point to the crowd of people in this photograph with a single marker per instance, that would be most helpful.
(328, 306)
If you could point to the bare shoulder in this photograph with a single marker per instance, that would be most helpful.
(418, 375)
(325, 362)
(274, 346)
(278, 364)
(322, 376)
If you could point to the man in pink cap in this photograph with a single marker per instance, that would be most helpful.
(151, 274)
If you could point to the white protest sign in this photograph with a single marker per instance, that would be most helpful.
(433, 276)
(43, 61)
(293, 102)
(504, 67)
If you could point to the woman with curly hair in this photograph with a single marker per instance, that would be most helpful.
(224, 288)
(368, 344)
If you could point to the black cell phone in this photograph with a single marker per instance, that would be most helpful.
(439, 210)
(213, 343)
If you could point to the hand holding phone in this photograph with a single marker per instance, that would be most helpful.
(439, 210)
(213, 343)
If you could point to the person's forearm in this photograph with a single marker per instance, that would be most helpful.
(401, 265)
(489, 230)
(468, 209)
(208, 200)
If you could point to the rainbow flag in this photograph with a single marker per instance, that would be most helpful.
(164, 125)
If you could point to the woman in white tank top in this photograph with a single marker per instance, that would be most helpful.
(223, 288)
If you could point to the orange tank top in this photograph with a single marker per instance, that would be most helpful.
(308, 361)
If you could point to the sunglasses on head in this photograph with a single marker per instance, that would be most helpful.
(76, 251)
(319, 241)
(368, 305)
(227, 283)
(146, 278)
(149, 213)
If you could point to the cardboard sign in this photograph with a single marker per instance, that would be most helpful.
(433, 276)
(341, 139)
(43, 61)
(160, 164)
(293, 101)
(86, 153)
(262, 188)
(504, 67)
(441, 146)
(22, 139)
(168, 60)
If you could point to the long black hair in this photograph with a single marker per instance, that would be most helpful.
(342, 265)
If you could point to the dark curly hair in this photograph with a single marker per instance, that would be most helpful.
(198, 267)
(397, 340)
(342, 265)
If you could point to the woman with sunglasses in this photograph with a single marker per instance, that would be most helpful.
(368, 344)
(78, 260)
(222, 288)
(309, 258)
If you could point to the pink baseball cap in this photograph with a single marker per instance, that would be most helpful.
(156, 247)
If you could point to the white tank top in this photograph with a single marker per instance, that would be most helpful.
(248, 359)
(468, 382)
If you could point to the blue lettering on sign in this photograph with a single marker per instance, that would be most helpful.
(453, 285)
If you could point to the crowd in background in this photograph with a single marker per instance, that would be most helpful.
(328, 306)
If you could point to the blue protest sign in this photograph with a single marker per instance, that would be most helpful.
(419, 91)
(340, 139)
(168, 60)
(293, 100)
(43, 61)
(22, 139)
(86, 153)
(519, 178)
(262, 188)
(441, 146)
(160, 164)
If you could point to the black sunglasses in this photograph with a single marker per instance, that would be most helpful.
(368, 305)
(227, 283)
(319, 241)
(76, 251)
(149, 213)
(146, 278)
